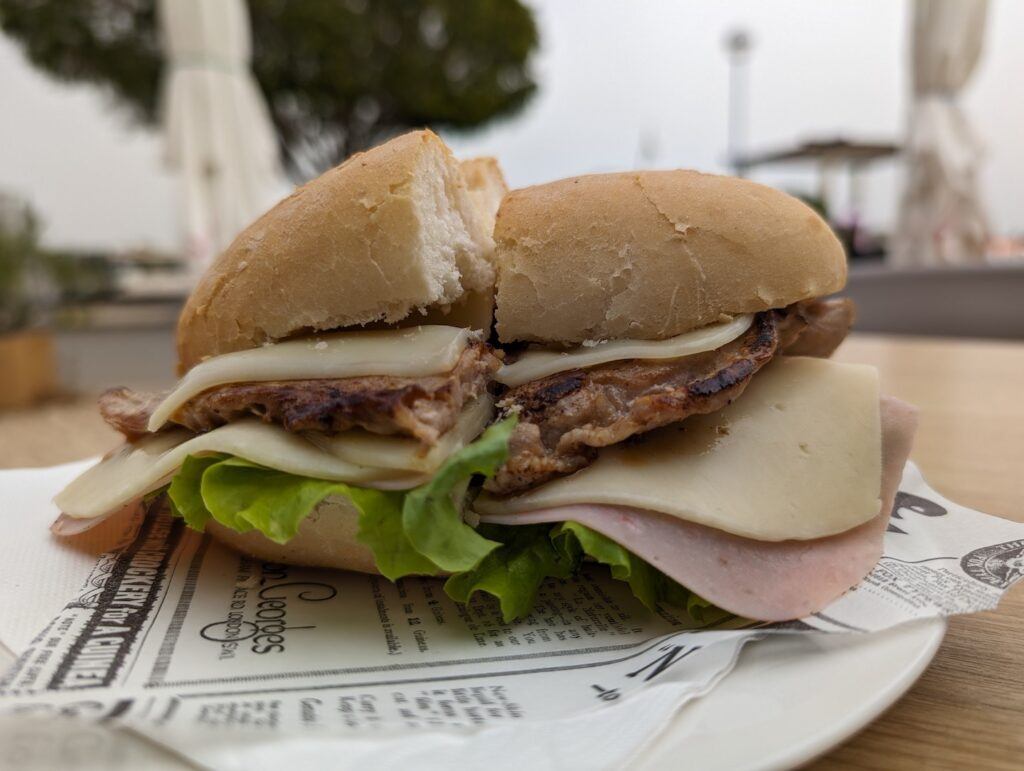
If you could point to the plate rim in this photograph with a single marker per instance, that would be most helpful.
(794, 748)
(820, 744)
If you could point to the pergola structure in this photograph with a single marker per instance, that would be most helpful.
(830, 156)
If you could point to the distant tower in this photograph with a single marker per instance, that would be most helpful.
(737, 46)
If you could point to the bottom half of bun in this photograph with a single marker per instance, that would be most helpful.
(326, 539)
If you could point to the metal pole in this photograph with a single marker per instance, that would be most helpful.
(737, 45)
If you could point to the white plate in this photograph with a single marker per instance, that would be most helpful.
(792, 698)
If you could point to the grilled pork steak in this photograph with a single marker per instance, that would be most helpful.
(421, 407)
(565, 417)
(815, 327)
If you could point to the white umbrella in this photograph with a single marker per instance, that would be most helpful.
(219, 132)
(941, 218)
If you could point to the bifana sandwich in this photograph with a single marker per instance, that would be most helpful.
(656, 394)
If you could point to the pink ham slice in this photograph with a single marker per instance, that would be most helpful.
(768, 581)
(67, 526)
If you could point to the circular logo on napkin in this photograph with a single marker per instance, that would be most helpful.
(1000, 566)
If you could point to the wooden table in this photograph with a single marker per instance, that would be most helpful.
(967, 711)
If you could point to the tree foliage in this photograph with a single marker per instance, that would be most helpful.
(19, 239)
(339, 75)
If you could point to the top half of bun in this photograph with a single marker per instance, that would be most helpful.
(653, 254)
(390, 233)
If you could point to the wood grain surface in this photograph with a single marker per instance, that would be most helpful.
(967, 711)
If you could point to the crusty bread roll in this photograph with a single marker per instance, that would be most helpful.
(388, 233)
(487, 186)
(653, 254)
(326, 539)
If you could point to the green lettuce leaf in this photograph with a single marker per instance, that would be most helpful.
(186, 498)
(245, 496)
(432, 515)
(420, 531)
(645, 581)
(652, 587)
(380, 528)
(514, 572)
(702, 611)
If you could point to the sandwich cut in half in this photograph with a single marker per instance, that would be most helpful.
(677, 415)
(665, 404)
(335, 373)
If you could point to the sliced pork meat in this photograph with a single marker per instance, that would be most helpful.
(421, 407)
(768, 581)
(565, 417)
(815, 327)
(128, 411)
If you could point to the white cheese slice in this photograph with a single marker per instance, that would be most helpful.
(535, 364)
(797, 456)
(412, 352)
(402, 453)
(136, 469)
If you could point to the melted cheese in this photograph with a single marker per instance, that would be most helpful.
(797, 456)
(535, 364)
(413, 352)
(389, 463)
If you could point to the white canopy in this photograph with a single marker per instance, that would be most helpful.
(941, 218)
(219, 132)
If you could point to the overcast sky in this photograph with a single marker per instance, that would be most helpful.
(615, 78)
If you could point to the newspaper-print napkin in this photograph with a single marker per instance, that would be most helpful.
(234, 663)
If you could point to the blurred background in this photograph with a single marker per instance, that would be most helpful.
(139, 136)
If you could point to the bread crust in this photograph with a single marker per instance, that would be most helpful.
(653, 254)
(387, 233)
